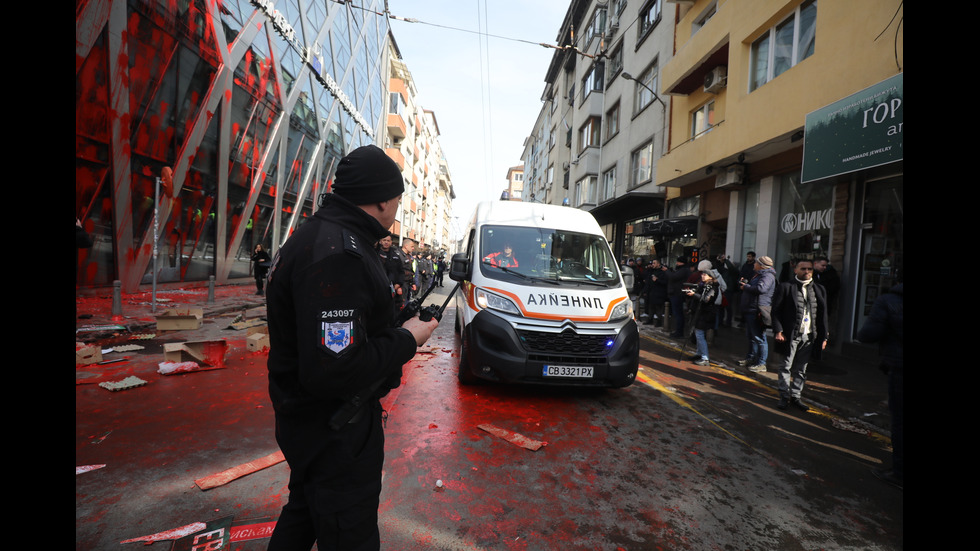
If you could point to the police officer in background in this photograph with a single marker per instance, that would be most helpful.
(393, 267)
(408, 268)
(331, 313)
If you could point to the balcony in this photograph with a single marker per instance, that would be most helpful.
(592, 104)
(699, 54)
(396, 126)
(396, 155)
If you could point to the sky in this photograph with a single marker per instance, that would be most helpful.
(485, 89)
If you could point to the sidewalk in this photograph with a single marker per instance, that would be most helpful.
(842, 384)
(95, 320)
(845, 385)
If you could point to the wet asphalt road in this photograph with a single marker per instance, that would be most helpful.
(686, 458)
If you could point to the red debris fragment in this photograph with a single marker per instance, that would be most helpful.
(513, 437)
(227, 476)
(176, 533)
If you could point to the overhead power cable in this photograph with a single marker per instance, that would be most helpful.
(390, 15)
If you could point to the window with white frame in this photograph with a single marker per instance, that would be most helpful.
(707, 14)
(641, 165)
(596, 26)
(783, 46)
(616, 10)
(612, 121)
(616, 60)
(646, 82)
(608, 188)
(585, 191)
(589, 133)
(703, 119)
(593, 79)
(396, 104)
(647, 18)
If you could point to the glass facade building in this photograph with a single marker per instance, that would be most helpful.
(250, 104)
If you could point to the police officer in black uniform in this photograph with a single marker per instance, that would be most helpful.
(332, 336)
(393, 267)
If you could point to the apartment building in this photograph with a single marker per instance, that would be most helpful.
(603, 125)
(786, 136)
(515, 183)
(412, 140)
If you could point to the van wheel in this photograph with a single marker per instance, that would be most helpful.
(465, 374)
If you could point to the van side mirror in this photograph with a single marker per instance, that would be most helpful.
(459, 268)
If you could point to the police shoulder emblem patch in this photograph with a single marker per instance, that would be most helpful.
(337, 336)
(338, 330)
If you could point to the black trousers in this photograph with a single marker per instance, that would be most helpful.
(334, 484)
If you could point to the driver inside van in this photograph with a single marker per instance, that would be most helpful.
(502, 259)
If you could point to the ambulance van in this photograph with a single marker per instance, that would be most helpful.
(541, 300)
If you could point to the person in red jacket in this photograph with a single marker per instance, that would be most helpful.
(503, 259)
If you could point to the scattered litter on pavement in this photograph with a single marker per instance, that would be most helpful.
(126, 348)
(439, 486)
(86, 354)
(239, 471)
(172, 368)
(170, 534)
(180, 319)
(87, 468)
(513, 437)
(247, 323)
(125, 384)
(849, 425)
(142, 336)
(205, 353)
(100, 328)
(800, 472)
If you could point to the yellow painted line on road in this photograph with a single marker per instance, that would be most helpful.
(836, 420)
(645, 379)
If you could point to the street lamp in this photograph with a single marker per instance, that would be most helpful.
(663, 107)
(628, 76)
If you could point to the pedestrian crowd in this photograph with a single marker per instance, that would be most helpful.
(797, 305)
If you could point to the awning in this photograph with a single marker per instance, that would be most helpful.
(669, 227)
(629, 206)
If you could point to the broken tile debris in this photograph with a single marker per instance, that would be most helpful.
(127, 383)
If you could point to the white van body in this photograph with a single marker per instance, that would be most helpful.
(555, 311)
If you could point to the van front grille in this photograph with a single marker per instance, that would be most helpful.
(567, 342)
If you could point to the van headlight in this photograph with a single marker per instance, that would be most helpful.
(622, 310)
(493, 301)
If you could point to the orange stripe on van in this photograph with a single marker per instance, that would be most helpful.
(556, 317)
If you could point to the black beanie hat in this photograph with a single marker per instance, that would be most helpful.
(368, 175)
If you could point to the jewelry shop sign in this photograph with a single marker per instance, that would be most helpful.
(861, 131)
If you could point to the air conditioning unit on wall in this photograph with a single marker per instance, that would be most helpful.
(732, 176)
(716, 79)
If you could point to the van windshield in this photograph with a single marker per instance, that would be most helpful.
(546, 256)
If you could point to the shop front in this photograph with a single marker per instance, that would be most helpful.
(857, 141)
